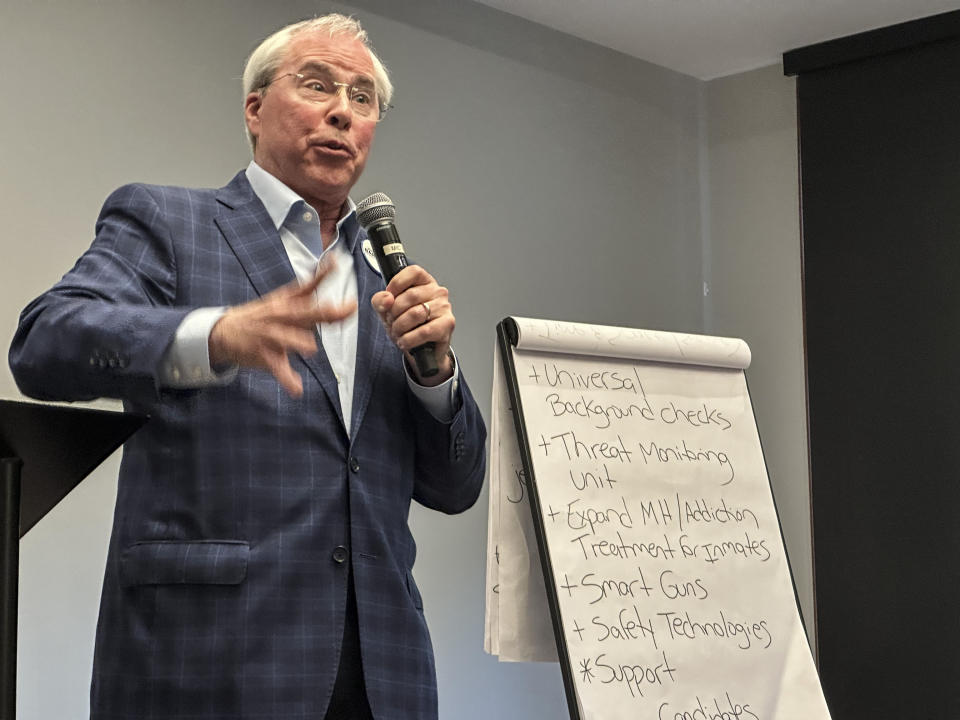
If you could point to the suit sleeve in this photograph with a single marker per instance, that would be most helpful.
(102, 330)
(451, 457)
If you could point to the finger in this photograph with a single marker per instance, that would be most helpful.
(306, 315)
(419, 312)
(286, 338)
(415, 296)
(382, 302)
(438, 331)
(291, 290)
(324, 268)
(410, 276)
(330, 312)
(289, 380)
(309, 287)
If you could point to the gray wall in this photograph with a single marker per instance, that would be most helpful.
(752, 269)
(535, 174)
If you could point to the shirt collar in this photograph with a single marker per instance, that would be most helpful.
(279, 199)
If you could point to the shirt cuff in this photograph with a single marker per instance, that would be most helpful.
(186, 362)
(443, 400)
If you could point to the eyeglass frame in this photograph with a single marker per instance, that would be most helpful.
(382, 107)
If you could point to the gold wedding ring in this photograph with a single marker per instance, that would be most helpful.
(426, 306)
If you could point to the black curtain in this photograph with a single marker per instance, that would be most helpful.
(879, 126)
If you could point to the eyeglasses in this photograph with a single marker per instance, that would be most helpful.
(320, 87)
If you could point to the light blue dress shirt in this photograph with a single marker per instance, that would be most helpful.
(186, 363)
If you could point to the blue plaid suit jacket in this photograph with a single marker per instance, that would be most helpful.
(225, 585)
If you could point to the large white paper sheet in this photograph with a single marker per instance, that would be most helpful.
(674, 590)
(518, 625)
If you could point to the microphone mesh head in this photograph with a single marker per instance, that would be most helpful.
(375, 208)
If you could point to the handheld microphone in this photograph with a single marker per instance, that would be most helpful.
(376, 214)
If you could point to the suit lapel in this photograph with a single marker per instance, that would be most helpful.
(372, 340)
(255, 241)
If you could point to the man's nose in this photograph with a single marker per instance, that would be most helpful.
(340, 113)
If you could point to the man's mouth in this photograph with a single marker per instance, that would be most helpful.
(335, 146)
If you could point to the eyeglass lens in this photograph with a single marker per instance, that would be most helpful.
(319, 84)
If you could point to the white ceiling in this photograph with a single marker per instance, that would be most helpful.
(712, 38)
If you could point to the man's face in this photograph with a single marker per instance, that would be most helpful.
(317, 149)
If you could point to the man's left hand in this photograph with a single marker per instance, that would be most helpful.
(416, 310)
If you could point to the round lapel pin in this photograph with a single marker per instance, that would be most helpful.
(370, 256)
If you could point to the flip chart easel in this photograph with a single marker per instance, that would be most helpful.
(627, 472)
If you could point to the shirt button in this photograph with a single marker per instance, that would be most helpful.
(354, 465)
(307, 217)
(340, 554)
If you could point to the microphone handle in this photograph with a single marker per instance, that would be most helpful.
(392, 259)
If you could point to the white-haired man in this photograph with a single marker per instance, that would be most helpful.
(260, 561)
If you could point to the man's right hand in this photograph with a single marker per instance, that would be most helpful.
(262, 332)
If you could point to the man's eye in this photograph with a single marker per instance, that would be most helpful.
(316, 86)
(362, 97)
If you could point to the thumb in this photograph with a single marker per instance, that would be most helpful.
(381, 302)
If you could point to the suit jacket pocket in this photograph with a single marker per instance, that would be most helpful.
(185, 562)
(414, 591)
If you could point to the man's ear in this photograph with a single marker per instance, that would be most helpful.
(251, 112)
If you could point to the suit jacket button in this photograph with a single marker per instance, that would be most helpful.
(354, 465)
(340, 554)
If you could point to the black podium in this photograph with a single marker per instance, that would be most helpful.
(45, 451)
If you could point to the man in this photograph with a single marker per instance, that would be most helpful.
(260, 561)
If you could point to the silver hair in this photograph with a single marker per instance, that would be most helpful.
(267, 57)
